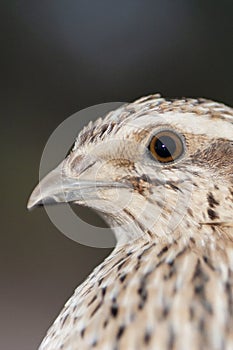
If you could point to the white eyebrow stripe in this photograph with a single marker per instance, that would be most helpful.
(187, 123)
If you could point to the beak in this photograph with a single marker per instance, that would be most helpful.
(56, 187)
(59, 188)
(53, 188)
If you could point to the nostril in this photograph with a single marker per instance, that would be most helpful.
(76, 162)
(80, 164)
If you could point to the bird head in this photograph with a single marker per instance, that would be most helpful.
(155, 168)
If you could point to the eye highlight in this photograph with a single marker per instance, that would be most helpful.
(166, 146)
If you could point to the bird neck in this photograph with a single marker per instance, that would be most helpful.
(148, 256)
(203, 214)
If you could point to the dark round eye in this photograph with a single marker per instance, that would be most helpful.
(166, 146)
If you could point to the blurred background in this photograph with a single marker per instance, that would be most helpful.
(58, 57)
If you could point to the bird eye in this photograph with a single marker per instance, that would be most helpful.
(166, 146)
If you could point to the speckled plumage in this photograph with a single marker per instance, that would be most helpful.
(168, 284)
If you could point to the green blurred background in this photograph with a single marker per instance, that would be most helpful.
(58, 57)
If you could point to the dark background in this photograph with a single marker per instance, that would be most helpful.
(58, 57)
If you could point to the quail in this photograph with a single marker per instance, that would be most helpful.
(160, 172)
